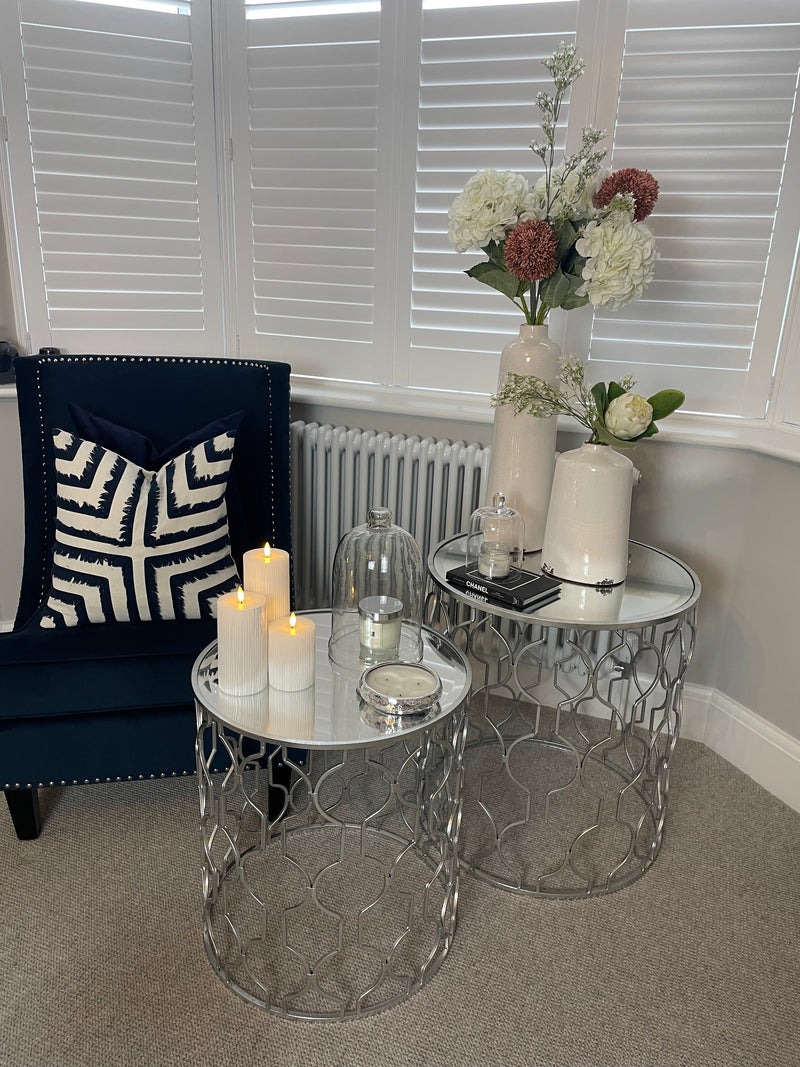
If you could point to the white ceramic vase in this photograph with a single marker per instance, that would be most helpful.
(586, 538)
(524, 447)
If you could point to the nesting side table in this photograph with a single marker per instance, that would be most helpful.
(574, 715)
(343, 902)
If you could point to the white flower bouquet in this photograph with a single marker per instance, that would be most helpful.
(613, 414)
(577, 237)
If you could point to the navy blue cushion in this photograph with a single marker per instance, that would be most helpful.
(138, 448)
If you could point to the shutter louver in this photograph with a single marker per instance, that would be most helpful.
(111, 118)
(707, 109)
(312, 86)
(479, 76)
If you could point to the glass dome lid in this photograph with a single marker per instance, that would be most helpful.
(376, 594)
(496, 539)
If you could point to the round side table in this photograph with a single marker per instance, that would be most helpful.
(574, 715)
(339, 900)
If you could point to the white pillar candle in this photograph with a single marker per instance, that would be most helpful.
(241, 658)
(292, 653)
(266, 571)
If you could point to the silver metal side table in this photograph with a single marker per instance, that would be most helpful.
(574, 715)
(343, 902)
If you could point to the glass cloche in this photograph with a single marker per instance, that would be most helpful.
(496, 540)
(376, 594)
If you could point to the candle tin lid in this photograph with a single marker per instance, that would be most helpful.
(399, 687)
(380, 608)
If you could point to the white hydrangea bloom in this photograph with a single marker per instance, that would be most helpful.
(491, 203)
(567, 201)
(620, 258)
(628, 415)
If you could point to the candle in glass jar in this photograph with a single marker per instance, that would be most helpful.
(403, 681)
(241, 656)
(380, 623)
(292, 653)
(494, 559)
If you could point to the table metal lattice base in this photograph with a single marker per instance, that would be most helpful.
(568, 748)
(343, 901)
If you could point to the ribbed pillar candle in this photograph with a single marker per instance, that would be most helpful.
(241, 656)
(266, 571)
(292, 653)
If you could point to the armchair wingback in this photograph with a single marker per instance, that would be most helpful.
(112, 700)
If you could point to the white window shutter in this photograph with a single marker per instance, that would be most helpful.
(305, 132)
(480, 73)
(706, 103)
(111, 149)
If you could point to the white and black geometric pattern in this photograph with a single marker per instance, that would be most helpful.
(133, 544)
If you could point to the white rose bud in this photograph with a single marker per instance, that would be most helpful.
(628, 416)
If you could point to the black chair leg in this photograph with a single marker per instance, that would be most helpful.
(25, 814)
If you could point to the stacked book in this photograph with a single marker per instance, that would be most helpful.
(519, 589)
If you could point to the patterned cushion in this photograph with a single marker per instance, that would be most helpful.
(137, 545)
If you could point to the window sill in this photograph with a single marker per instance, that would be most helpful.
(752, 435)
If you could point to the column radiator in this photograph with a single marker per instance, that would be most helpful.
(432, 488)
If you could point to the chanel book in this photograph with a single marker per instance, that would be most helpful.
(520, 589)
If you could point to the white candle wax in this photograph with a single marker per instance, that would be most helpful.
(241, 656)
(403, 680)
(494, 560)
(292, 653)
(266, 571)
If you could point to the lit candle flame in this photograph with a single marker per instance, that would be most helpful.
(267, 551)
(292, 622)
(240, 595)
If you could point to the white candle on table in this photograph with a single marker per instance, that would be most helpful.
(266, 571)
(292, 653)
(402, 681)
(241, 656)
(494, 560)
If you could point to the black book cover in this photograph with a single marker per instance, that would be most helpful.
(520, 589)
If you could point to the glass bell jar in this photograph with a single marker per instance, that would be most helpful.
(496, 540)
(376, 594)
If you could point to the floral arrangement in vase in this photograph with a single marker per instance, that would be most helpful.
(613, 414)
(586, 532)
(577, 237)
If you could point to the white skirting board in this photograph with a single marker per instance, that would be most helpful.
(766, 753)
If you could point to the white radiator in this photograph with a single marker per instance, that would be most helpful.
(432, 488)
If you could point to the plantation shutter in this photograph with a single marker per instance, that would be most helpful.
(480, 72)
(305, 87)
(706, 103)
(112, 163)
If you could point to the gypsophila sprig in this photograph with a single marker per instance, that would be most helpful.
(574, 198)
(613, 414)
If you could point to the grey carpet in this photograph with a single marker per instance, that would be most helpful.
(102, 963)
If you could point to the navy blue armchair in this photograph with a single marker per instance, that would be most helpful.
(88, 701)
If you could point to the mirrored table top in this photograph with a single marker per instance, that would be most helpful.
(330, 713)
(658, 587)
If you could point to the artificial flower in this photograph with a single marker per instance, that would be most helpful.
(531, 250)
(586, 207)
(619, 258)
(491, 203)
(639, 183)
(613, 414)
(627, 416)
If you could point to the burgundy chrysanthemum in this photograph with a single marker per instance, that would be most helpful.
(640, 183)
(530, 251)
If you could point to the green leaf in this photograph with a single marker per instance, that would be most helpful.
(605, 437)
(496, 251)
(614, 390)
(501, 280)
(572, 300)
(651, 429)
(554, 289)
(567, 236)
(600, 397)
(665, 402)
